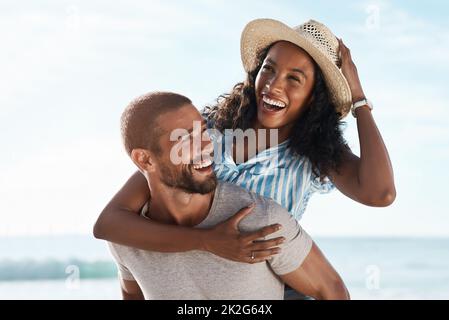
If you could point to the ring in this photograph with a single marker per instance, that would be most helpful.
(252, 255)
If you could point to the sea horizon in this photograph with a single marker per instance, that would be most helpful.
(81, 267)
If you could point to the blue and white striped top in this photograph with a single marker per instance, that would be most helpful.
(274, 173)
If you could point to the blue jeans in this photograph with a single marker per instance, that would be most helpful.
(290, 294)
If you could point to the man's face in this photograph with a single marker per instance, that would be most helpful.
(186, 157)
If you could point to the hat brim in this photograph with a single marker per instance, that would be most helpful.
(261, 33)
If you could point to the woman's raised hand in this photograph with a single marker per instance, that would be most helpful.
(349, 70)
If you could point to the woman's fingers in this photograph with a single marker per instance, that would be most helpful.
(245, 247)
(262, 250)
(242, 213)
(266, 244)
(349, 70)
(265, 231)
(345, 53)
(262, 255)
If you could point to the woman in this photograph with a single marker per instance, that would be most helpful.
(295, 85)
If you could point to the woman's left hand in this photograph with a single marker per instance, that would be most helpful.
(349, 70)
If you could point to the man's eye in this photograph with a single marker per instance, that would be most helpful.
(184, 138)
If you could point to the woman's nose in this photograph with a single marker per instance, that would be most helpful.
(274, 85)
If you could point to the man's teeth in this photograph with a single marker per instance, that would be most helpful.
(203, 164)
(278, 104)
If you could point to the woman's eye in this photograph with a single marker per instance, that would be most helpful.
(294, 79)
(267, 68)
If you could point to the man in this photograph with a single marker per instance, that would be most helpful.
(157, 130)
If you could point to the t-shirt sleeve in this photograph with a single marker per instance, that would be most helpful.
(123, 271)
(297, 243)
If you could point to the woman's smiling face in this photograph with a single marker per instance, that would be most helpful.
(283, 87)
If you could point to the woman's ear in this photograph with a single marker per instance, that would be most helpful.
(143, 160)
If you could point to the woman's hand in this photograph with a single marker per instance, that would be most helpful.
(369, 178)
(349, 70)
(226, 241)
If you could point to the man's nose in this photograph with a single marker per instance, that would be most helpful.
(204, 145)
(203, 150)
(207, 148)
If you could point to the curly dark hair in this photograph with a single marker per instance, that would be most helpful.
(316, 135)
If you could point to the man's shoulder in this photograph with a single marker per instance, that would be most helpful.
(246, 196)
(115, 247)
(267, 211)
(239, 194)
(121, 251)
(232, 198)
(279, 214)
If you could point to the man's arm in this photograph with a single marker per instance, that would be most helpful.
(317, 278)
(131, 290)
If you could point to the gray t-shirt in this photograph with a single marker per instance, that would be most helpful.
(202, 275)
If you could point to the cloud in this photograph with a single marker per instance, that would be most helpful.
(41, 44)
(68, 69)
(402, 35)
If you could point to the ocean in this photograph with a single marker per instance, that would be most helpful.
(80, 267)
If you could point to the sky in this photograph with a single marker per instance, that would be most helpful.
(68, 69)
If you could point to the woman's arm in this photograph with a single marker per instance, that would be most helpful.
(121, 223)
(368, 179)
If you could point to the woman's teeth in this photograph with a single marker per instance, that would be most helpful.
(271, 102)
(203, 164)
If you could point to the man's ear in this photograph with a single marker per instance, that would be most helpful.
(143, 159)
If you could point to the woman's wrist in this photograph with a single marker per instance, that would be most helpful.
(361, 110)
(357, 96)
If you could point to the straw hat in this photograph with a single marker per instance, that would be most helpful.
(315, 38)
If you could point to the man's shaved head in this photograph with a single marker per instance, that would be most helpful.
(139, 121)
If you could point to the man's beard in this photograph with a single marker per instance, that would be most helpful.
(185, 180)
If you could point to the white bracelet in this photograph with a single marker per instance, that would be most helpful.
(361, 103)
